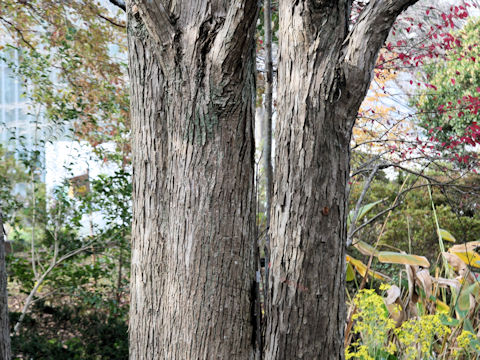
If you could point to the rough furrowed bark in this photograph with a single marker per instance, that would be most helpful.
(192, 279)
(324, 73)
(307, 299)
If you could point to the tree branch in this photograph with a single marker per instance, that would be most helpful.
(374, 218)
(19, 32)
(39, 281)
(5, 350)
(111, 21)
(364, 41)
(54, 263)
(366, 186)
(119, 3)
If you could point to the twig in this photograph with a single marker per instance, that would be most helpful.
(111, 21)
(42, 278)
(19, 32)
(366, 186)
(364, 280)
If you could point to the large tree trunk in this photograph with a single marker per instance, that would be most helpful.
(312, 162)
(192, 97)
(324, 72)
(5, 353)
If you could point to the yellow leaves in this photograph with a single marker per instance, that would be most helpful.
(362, 269)
(462, 255)
(379, 125)
(470, 258)
(445, 235)
(384, 257)
(405, 259)
(441, 306)
(375, 327)
(385, 74)
(357, 264)
(468, 342)
(372, 323)
(417, 335)
(421, 314)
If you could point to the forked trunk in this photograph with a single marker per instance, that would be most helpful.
(192, 75)
(324, 72)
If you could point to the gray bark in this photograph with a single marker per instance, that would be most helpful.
(5, 352)
(268, 104)
(192, 106)
(324, 73)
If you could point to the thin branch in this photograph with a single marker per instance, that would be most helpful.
(42, 278)
(380, 214)
(5, 348)
(376, 217)
(366, 186)
(111, 21)
(19, 32)
(365, 166)
(53, 264)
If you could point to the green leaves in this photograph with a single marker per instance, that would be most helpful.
(455, 81)
(365, 248)
(464, 303)
(76, 77)
(350, 273)
(362, 211)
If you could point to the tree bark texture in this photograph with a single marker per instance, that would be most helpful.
(5, 352)
(267, 139)
(268, 103)
(192, 107)
(325, 68)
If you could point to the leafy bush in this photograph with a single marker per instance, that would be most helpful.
(70, 333)
(417, 338)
